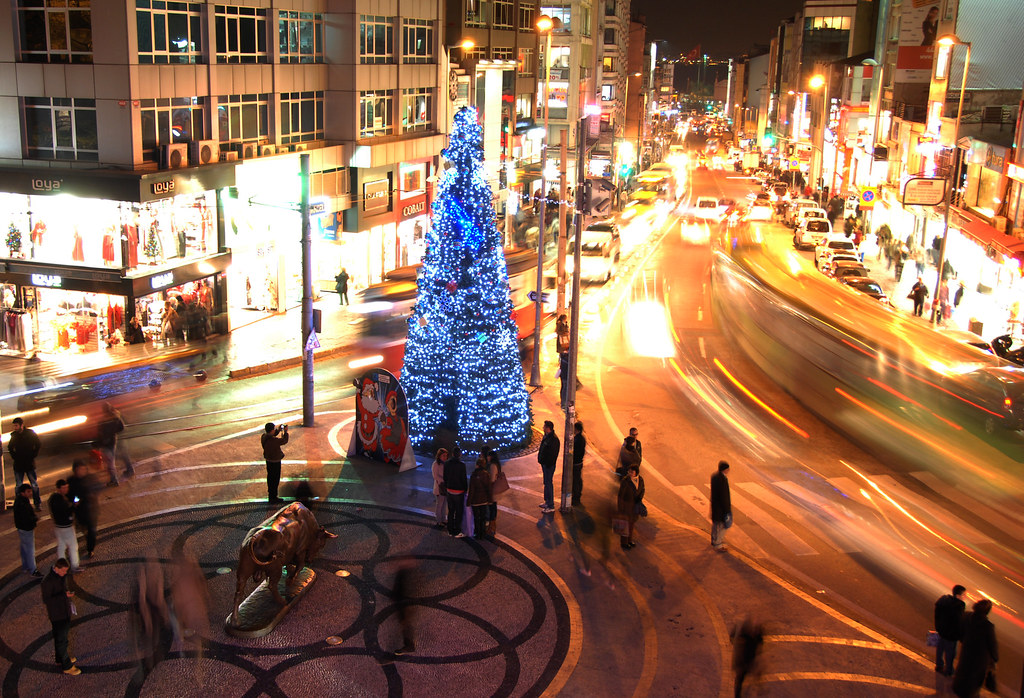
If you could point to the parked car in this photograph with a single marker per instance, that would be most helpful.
(795, 206)
(823, 252)
(780, 192)
(806, 214)
(837, 257)
(838, 270)
(868, 287)
(811, 233)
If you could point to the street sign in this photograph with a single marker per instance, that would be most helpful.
(312, 342)
(924, 191)
(868, 197)
(533, 297)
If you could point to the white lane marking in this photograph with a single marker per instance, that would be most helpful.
(794, 512)
(956, 496)
(700, 343)
(776, 530)
(962, 531)
(696, 499)
(700, 314)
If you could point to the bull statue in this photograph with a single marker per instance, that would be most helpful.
(291, 538)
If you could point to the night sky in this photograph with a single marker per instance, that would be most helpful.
(723, 28)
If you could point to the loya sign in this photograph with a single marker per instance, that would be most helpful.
(47, 185)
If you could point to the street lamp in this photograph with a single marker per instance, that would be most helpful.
(545, 25)
(948, 42)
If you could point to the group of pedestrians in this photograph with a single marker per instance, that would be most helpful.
(454, 490)
(976, 635)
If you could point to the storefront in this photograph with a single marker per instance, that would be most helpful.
(81, 248)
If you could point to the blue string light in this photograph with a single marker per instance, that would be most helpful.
(462, 369)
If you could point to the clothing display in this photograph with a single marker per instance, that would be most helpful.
(77, 253)
(16, 330)
(108, 248)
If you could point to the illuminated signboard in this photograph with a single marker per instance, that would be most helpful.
(375, 196)
(47, 280)
(161, 280)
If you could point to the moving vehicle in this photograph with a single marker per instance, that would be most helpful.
(996, 396)
(599, 256)
(868, 287)
(759, 211)
(811, 232)
(706, 208)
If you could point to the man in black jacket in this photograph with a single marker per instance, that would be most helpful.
(57, 599)
(25, 522)
(272, 441)
(721, 506)
(62, 511)
(24, 446)
(949, 624)
(547, 456)
(456, 483)
(82, 491)
(579, 450)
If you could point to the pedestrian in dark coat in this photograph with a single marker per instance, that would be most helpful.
(628, 456)
(341, 286)
(110, 444)
(918, 292)
(23, 445)
(25, 521)
(83, 489)
(547, 456)
(479, 496)
(979, 652)
(57, 599)
(272, 439)
(579, 451)
(747, 642)
(721, 506)
(949, 624)
(631, 496)
(456, 483)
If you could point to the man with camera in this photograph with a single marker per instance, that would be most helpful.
(273, 438)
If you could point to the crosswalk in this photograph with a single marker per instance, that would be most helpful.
(846, 515)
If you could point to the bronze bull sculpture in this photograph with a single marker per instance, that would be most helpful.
(291, 538)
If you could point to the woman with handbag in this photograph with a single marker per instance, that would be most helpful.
(978, 653)
(440, 493)
(499, 486)
(479, 497)
(631, 496)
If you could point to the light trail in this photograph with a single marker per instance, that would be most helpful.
(760, 403)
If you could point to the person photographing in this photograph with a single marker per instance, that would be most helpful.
(272, 439)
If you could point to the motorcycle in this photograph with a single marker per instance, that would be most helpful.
(1001, 346)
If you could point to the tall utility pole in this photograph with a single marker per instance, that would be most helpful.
(545, 24)
(308, 340)
(562, 230)
(574, 327)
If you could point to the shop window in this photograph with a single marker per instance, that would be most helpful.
(417, 109)
(302, 117)
(476, 13)
(169, 32)
(301, 37)
(503, 14)
(60, 32)
(526, 61)
(524, 106)
(376, 39)
(244, 118)
(502, 53)
(60, 129)
(417, 41)
(241, 34)
(375, 113)
(527, 13)
(178, 120)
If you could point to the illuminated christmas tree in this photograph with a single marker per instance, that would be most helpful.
(152, 247)
(13, 239)
(462, 368)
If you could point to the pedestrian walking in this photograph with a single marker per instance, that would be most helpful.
(456, 483)
(190, 599)
(402, 595)
(630, 500)
(57, 600)
(23, 444)
(479, 496)
(918, 292)
(944, 310)
(272, 439)
(341, 286)
(747, 641)
(83, 491)
(62, 511)
(110, 445)
(150, 618)
(721, 507)
(440, 493)
(547, 456)
(499, 485)
(978, 654)
(579, 450)
(949, 624)
(25, 521)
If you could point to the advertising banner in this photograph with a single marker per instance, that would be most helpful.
(381, 430)
(919, 26)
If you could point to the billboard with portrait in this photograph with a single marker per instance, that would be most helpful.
(919, 26)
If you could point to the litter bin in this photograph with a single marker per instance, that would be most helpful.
(975, 326)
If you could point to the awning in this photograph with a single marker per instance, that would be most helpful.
(986, 235)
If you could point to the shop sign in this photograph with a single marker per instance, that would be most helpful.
(48, 185)
(924, 191)
(995, 156)
(1015, 172)
(413, 209)
(162, 188)
(375, 196)
(161, 280)
(317, 208)
(47, 280)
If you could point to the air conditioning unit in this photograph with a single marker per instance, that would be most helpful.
(205, 152)
(173, 156)
(247, 151)
(229, 156)
(299, 147)
(267, 150)
(999, 223)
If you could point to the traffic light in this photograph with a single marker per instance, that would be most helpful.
(586, 196)
(768, 141)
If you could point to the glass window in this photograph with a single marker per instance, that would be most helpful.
(563, 13)
(241, 34)
(609, 37)
(504, 14)
(607, 63)
(526, 17)
(302, 117)
(375, 113)
(417, 109)
(476, 13)
(57, 31)
(477, 53)
(244, 118)
(502, 53)
(60, 129)
(301, 37)
(178, 120)
(417, 41)
(524, 106)
(607, 92)
(526, 61)
(169, 32)
(376, 39)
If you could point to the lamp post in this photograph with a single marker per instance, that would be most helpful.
(948, 41)
(544, 26)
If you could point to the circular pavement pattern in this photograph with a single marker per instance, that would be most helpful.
(487, 620)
